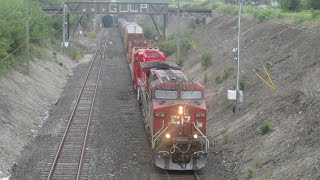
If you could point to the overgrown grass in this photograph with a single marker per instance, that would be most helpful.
(206, 59)
(73, 53)
(260, 14)
(92, 35)
(218, 79)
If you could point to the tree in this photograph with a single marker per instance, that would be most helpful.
(314, 4)
(290, 5)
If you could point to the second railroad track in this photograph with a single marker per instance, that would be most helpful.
(68, 161)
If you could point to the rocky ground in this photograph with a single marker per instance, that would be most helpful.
(290, 54)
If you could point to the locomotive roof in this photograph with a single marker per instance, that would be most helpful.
(151, 53)
(146, 66)
(171, 75)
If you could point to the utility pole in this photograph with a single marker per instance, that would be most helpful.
(63, 28)
(177, 36)
(27, 33)
(238, 58)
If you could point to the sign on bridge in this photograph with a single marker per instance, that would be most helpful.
(116, 8)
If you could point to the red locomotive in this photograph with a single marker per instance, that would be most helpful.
(137, 48)
(173, 106)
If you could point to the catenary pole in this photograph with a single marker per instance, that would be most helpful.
(63, 28)
(238, 58)
(177, 36)
(27, 33)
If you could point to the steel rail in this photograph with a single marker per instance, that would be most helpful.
(69, 122)
(184, 176)
(88, 124)
(196, 176)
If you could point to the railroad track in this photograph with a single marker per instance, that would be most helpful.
(69, 161)
(181, 175)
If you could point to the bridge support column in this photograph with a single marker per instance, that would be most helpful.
(165, 25)
(68, 27)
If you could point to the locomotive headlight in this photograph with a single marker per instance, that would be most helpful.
(195, 136)
(168, 136)
(180, 110)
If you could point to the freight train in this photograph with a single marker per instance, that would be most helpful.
(173, 106)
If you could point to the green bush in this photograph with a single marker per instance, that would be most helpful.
(250, 172)
(206, 59)
(218, 79)
(150, 32)
(12, 35)
(265, 127)
(168, 47)
(262, 14)
(315, 13)
(73, 53)
(92, 34)
(313, 4)
(290, 5)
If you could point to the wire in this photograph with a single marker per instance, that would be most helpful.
(10, 9)
(13, 11)
(14, 51)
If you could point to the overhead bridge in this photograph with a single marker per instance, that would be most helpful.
(132, 8)
(122, 8)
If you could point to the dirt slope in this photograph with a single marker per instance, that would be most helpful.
(24, 104)
(291, 149)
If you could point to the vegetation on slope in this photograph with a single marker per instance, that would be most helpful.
(297, 11)
(44, 30)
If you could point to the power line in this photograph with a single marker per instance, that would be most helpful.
(12, 11)
(14, 51)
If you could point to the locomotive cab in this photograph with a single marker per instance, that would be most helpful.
(176, 117)
(143, 55)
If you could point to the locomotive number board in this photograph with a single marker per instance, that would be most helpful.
(116, 8)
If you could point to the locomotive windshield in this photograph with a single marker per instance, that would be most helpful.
(191, 95)
(165, 94)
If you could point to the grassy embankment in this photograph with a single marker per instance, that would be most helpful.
(45, 31)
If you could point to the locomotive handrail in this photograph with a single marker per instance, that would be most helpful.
(158, 134)
(207, 140)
